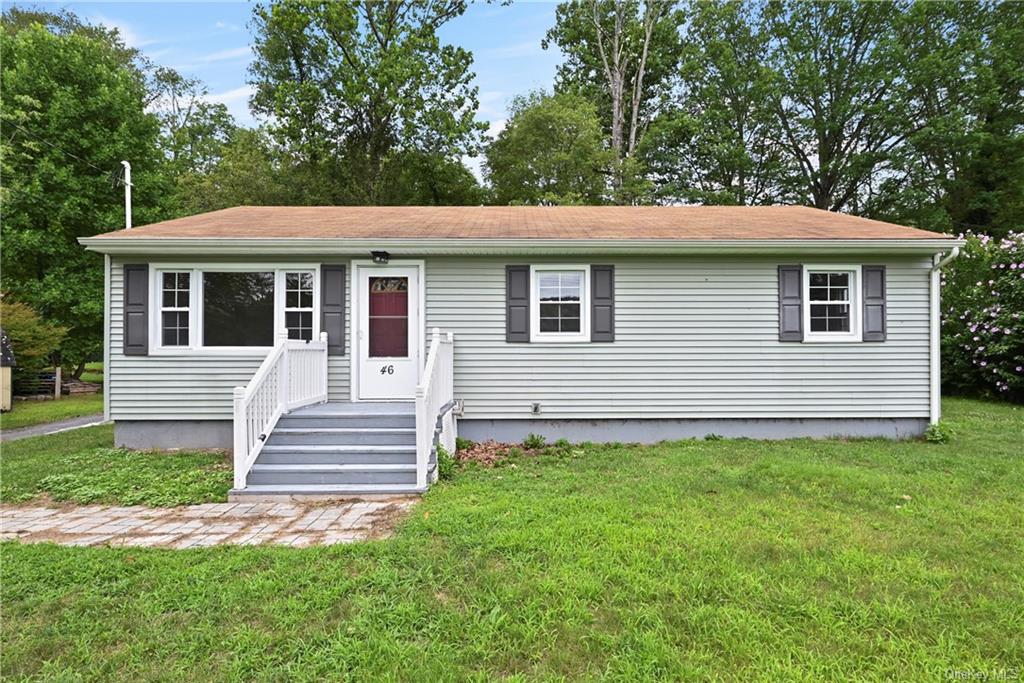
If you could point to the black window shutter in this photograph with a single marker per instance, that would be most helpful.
(602, 303)
(136, 310)
(874, 303)
(791, 315)
(517, 304)
(332, 307)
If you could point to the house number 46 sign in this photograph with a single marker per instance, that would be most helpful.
(387, 369)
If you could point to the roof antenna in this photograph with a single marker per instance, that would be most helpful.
(125, 179)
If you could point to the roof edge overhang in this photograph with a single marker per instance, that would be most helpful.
(451, 246)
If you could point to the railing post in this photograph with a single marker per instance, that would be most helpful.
(323, 367)
(283, 375)
(424, 436)
(241, 448)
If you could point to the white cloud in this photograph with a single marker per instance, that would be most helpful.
(237, 102)
(130, 36)
(233, 96)
(235, 53)
(526, 48)
(224, 26)
(496, 127)
(223, 55)
(492, 104)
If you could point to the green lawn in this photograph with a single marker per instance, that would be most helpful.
(697, 560)
(80, 466)
(93, 373)
(28, 413)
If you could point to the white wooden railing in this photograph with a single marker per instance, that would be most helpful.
(294, 374)
(435, 400)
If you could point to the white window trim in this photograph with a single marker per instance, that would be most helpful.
(195, 320)
(161, 309)
(285, 309)
(536, 336)
(854, 335)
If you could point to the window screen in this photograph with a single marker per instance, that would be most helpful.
(174, 309)
(830, 301)
(298, 305)
(238, 309)
(560, 294)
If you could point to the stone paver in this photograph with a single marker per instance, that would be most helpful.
(196, 526)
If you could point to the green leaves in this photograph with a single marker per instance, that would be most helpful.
(551, 151)
(355, 89)
(73, 108)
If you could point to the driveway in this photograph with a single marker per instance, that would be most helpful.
(51, 427)
(291, 524)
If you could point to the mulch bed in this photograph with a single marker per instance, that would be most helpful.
(491, 453)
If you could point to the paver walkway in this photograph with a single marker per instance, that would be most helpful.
(51, 427)
(294, 524)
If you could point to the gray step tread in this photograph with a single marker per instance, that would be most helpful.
(355, 448)
(348, 408)
(312, 489)
(369, 467)
(345, 430)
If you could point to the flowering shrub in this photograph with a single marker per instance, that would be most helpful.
(983, 318)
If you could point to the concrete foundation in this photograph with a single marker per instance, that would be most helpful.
(166, 434)
(655, 430)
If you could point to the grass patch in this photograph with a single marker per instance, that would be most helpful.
(695, 560)
(28, 413)
(80, 466)
(93, 372)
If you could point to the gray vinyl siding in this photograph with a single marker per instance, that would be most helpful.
(695, 337)
(184, 387)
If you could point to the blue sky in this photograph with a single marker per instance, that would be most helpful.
(211, 41)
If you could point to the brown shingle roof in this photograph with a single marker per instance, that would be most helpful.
(527, 222)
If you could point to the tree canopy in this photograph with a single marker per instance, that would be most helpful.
(550, 152)
(357, 90)
(911, 112)
(73, 108)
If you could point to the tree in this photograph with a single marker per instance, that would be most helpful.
(353, 86)
(193, 131)
(434, 180)
(717, 144)
(551, 151)
(72, 110)
(963, 166)
(620, 54)
(33, 339)
(249, 171)
(839, 96)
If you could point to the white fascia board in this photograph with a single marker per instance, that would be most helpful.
(398, 247)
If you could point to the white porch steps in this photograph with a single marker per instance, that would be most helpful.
(337, 450)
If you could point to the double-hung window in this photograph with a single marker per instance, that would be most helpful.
(231, 307)
(298, 304)
(559, 303)
(832, 303)
(175, 307)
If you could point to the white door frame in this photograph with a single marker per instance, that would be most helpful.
(355, 298)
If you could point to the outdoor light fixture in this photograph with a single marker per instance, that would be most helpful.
(380, 256)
